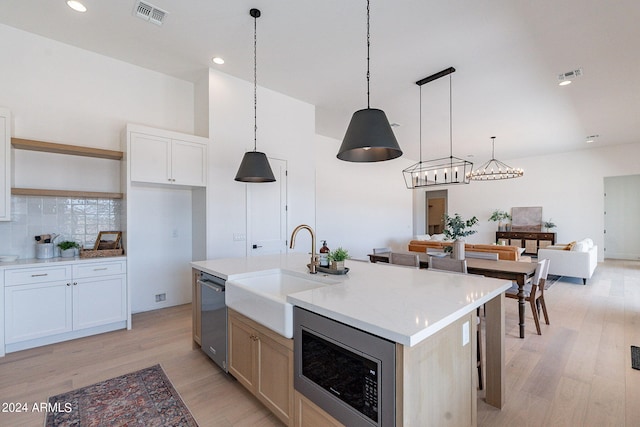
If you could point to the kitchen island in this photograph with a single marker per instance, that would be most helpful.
(431, 316)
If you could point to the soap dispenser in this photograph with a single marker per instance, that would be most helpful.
(324, 255)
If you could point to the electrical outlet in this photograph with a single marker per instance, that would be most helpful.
(465, 333)
(161, 297)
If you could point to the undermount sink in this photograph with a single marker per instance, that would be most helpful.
(263, 297)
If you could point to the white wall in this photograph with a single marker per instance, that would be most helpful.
(361, 205)
(60, 93)
(568, 186)
(285, 131)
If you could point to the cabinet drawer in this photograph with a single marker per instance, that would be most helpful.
(22, 276)
(95, 269)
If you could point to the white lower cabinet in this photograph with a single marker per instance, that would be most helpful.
(37, 310)
(55, 303)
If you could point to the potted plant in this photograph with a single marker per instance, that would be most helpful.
(455, 228)
(548, 225)
(68, 249)
(337, 258)
(499, 216)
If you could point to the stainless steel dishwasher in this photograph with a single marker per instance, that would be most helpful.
(214, 318)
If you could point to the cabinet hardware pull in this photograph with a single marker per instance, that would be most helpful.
(40, 275)
(75, 283)
(99, 269)
(68, 284)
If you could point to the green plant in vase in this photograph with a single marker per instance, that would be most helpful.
(68, 248)
(499, 216)
(548, 225)
(455, 227)
(337, 257)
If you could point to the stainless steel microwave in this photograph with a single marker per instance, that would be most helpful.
(347, 372)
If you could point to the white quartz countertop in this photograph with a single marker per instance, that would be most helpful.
(401, 304)
(34, 262)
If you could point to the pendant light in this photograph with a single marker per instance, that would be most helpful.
(495, 169)
(444, 171)
(369, 137)
(255, 165)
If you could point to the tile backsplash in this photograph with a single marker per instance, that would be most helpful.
(75, 219)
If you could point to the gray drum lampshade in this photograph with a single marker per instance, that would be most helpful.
(255, 168)
(369, 138)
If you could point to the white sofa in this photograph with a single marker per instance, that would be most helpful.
(580, 260)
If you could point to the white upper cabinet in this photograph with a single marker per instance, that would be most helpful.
(5, 165)
(159, 159)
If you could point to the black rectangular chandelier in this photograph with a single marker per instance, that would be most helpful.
(443, 171)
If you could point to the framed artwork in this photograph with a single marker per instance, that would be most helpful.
(526, 219)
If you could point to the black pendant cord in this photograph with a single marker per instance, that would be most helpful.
(493, 148)
(420, 124)
(368, 55)
(255, 81)
(450, 120)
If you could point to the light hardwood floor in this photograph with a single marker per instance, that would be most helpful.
(577, 373)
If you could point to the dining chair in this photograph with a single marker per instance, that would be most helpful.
(381, 250)
(448, 264)
(411, 260)
(533, 290)
(460, 266)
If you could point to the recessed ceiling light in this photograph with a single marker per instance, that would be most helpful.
(218, 60)
(76, 5)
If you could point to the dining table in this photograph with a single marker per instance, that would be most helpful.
(516, 271)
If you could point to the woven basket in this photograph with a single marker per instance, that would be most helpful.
(90, 253)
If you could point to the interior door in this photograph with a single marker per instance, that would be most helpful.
(621, 213)
(267, 213)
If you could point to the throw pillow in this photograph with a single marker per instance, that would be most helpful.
(580, 247)
(570, 246)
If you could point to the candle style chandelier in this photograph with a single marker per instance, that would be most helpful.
(495, 169)
(444, 171)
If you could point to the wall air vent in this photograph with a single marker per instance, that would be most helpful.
(149, 12)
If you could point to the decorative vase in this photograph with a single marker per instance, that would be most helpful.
(337, 265)
(458, 249)
(68, 253)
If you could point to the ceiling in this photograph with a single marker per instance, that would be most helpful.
(507, 53)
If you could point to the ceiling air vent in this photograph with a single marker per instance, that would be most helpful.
(570, 75)
(149, 12)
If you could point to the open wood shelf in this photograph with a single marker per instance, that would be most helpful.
(74, 150)
(65, 193)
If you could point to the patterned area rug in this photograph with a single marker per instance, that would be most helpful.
(142, 398)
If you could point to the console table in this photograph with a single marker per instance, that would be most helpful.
(531, 241)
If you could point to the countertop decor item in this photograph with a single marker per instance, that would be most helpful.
(443, 171)
(495, 169)
(68, 248)
(369, 137)
(337, 258)
(255, 165)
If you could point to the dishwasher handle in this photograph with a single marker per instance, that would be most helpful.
(216, 287)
